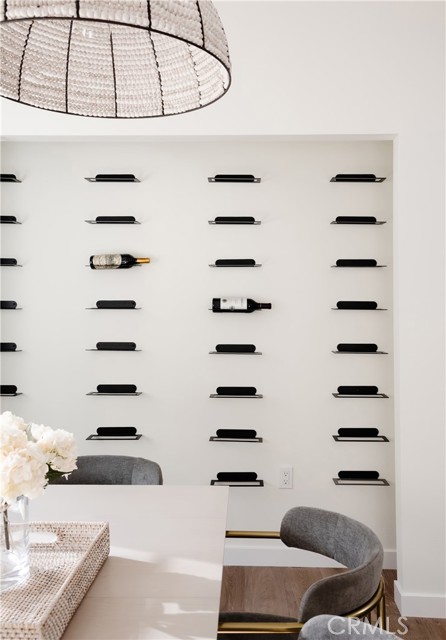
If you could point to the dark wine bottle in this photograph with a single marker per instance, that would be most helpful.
(238, 305)
(116, 261)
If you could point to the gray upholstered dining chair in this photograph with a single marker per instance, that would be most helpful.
(113, 470)
(331, 627)
(356, 592)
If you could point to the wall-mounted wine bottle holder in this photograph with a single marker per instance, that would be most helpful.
(115, 304)
(115, 433)
(236, 349)
(241, 262)
(378, 438)
(357, 263)
(9, 390)
(115, 346)
(111, 268)
(356, 177)
(359, 434)
(349, 478)
(113, 177)
(9, 220)
(9, 304)
(103, 393)
(234, 177)
(9, 262)
(236, 435)
(235, 483)
(113, 220)
(236, 392)
(219, 395)
(358, 391)
(359, 348)
(8, 177)
(115, 390)
(358, 309)
(237, 479)
(235, 220)
(357, 304)
(370, 220)
(348, 434)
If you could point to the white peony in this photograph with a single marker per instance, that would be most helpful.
(30, 455)
(8, 419)
(23, 473)
(12, 433)
(57, 445)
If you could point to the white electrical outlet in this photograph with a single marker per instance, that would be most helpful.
(286, 478)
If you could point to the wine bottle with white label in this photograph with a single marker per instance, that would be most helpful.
(116, 261)
(237, 305)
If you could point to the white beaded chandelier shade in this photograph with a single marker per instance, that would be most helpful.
(113, 58)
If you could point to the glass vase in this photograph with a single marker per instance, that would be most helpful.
(14, 543)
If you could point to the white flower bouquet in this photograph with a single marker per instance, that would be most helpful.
(30, 456)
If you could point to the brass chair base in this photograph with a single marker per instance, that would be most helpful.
(377, 604)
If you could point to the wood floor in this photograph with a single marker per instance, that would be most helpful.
(278, 589)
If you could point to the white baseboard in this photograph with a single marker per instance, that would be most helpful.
(419, 605)
(274, 554)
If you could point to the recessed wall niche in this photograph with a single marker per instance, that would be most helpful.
(296, 244)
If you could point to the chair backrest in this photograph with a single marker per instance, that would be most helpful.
(113, 470)
(331, 627)
(345, 540)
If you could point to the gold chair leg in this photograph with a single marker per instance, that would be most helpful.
(382, 613)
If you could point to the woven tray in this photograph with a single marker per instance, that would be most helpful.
(61, 574)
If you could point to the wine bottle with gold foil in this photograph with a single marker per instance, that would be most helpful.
(116, 261)
(237, 305)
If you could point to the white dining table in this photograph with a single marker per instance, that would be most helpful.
(163, 576)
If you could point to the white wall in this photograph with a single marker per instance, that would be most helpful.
(353, 68)
(297, 371)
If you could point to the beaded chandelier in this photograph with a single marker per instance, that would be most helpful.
(113, 58)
